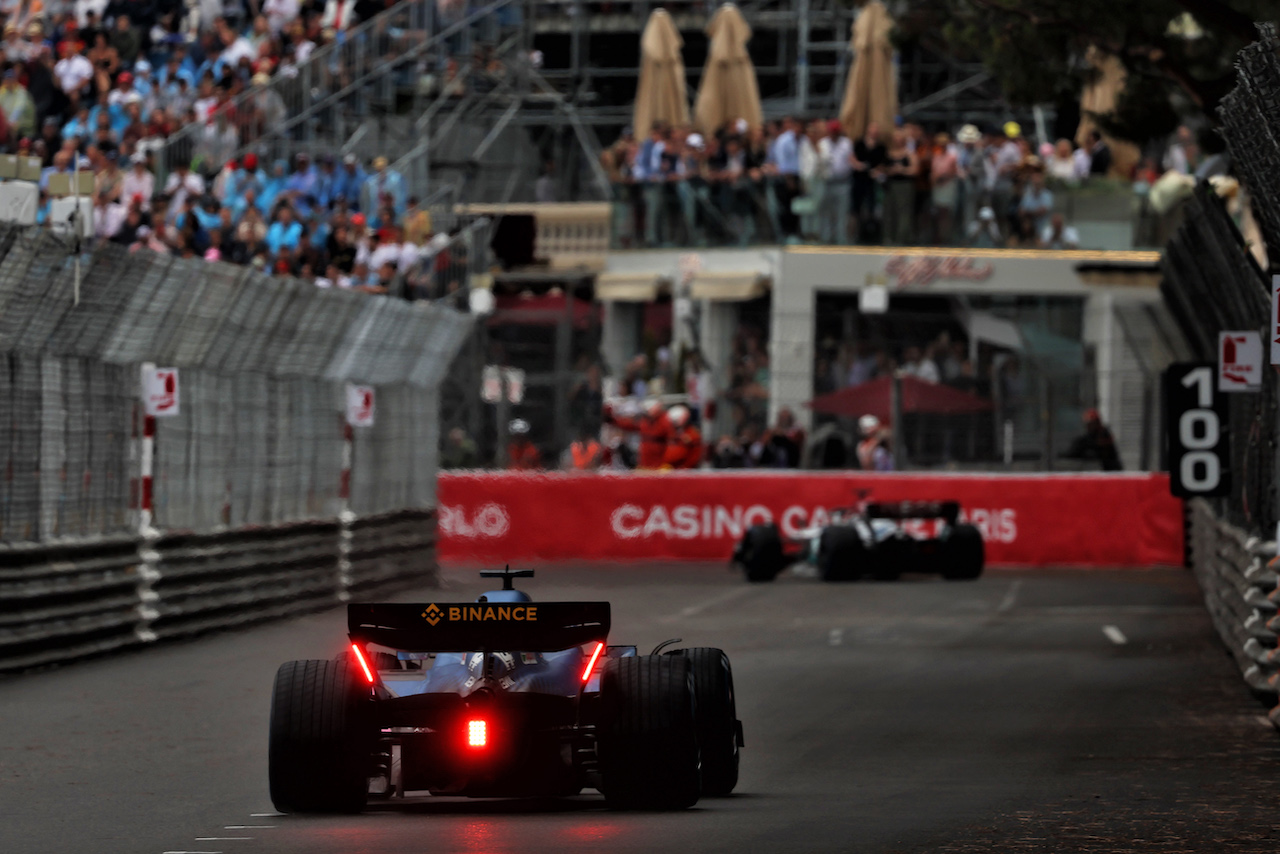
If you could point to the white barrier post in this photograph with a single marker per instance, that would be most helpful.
(345, 516)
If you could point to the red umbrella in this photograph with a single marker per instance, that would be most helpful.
(918, 397)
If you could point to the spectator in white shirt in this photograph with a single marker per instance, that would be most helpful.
(73, 71)
(1084, 163)
(1058, 235)
(107, 218)
(1182, 152)
(387, 251)
(182, 183)
(835, 152)
(410, 255)
(138, 182)
(918, 366)
(279, 13)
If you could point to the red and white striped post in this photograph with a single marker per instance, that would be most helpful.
(148, 557)
(146, 463)
(348, 451)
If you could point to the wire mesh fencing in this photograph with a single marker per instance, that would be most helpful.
(258, 436)
(1213, 284)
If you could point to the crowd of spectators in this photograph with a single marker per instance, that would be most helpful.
(102, 87)
(794, 181)
(733, 401)
(941, 359)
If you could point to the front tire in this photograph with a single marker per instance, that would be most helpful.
(319, 753)
(717, 718)
(648, 741)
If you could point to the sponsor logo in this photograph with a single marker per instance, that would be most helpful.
(714, 522)
(489, 522)
(686, 521)
(433, 614)
(997, 524)
(924, 270)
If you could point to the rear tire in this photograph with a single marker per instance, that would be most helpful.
(648, 741)
(841, 554)
(717, 718)
(964, 555)
(760, 553)
(319, 753)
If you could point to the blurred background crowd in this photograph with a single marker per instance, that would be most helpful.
(101, 87)
(804, 180)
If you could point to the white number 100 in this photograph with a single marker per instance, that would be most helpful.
(1199, 430)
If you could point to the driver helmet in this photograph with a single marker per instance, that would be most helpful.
(679, 415)
(518, 427)
(868, 424)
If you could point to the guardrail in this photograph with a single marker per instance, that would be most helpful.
(63, 601)
(1241, 593)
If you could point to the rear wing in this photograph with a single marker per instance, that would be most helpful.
(947, 510)
(480, 626)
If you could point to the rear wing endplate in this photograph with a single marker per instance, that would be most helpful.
(478, 626)
(948, 510)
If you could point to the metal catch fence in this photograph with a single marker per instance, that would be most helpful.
(1213, 284)
(258, 435)
(264, 500)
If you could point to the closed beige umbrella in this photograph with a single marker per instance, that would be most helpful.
(728, 90)
(1098, 99)
(660, 97)
(871, 92)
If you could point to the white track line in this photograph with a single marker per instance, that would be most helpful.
(1115, 635)
(193, 852)
(265, 814)
(836, 637)
(247, 826)
(223, 838)
(1010, 598)
(694, 610)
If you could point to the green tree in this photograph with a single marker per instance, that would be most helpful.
(1175, 51)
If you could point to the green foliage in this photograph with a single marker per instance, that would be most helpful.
(1036, 49)
(1143, 111)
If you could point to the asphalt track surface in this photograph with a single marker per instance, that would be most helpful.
(1028, 711)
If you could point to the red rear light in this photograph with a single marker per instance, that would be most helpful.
(364, 665)
(477, 733)
(591, 665)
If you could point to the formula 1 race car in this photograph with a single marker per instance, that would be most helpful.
(876, 540)
(501, 697)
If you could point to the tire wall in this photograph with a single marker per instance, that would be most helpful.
(64, 601)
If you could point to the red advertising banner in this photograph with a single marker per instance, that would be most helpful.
(1026, 520)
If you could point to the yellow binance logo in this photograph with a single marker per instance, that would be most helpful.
(432, 614)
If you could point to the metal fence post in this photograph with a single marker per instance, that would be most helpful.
(901, 459)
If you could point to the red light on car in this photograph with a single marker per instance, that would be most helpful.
(591, 665)
(477, 733)
(364, 665)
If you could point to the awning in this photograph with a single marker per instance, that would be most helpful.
(630, 287)
(919, 397)
(737, 286)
